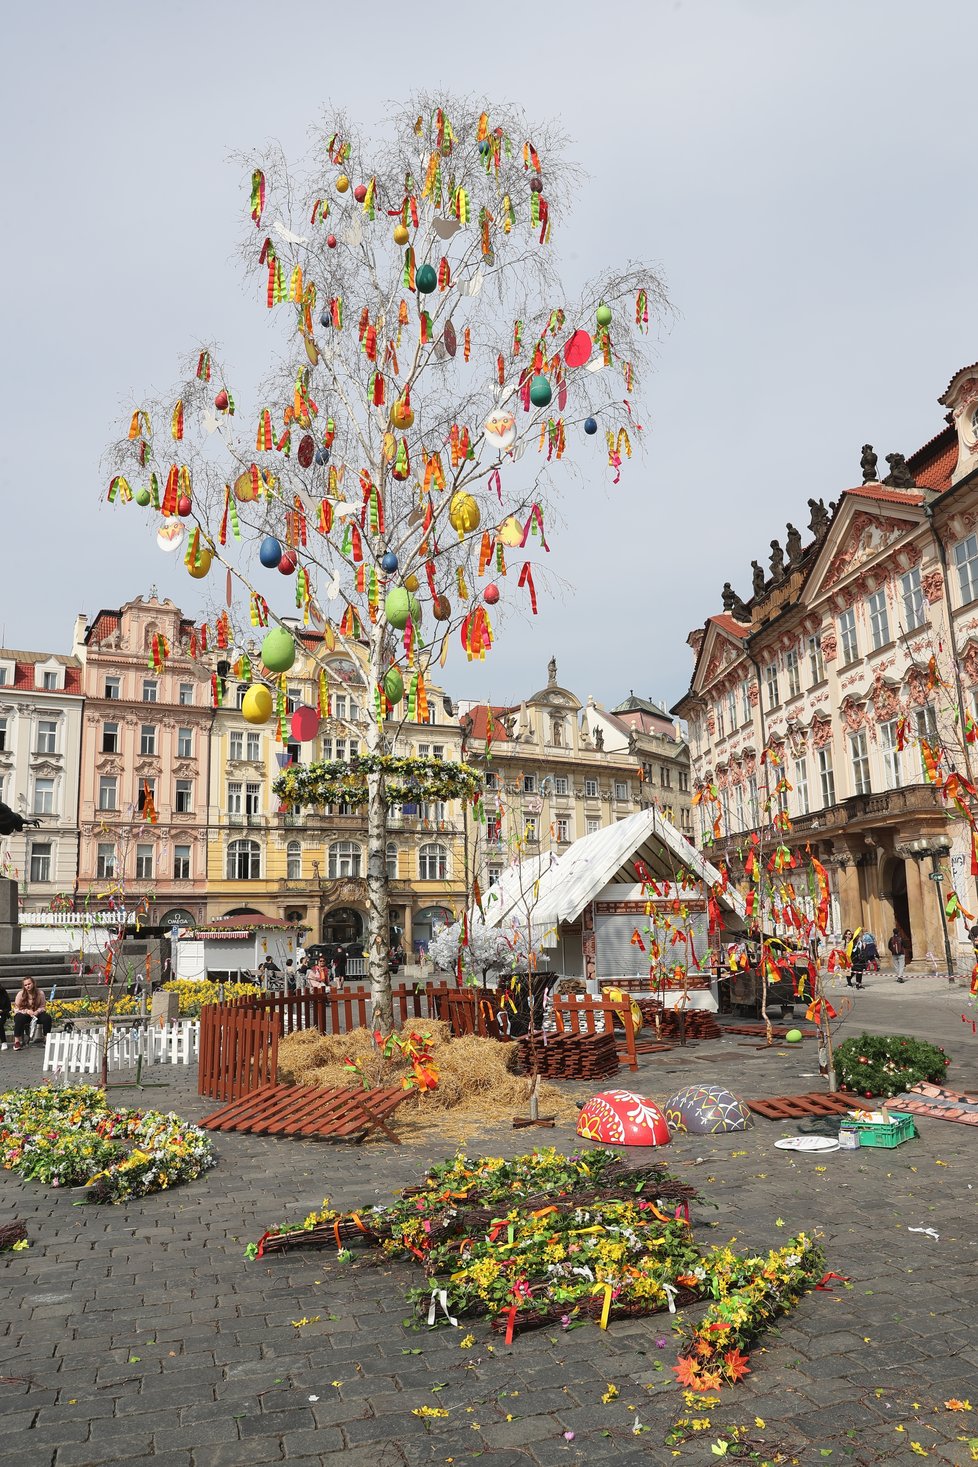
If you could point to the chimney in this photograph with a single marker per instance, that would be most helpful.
(78, 635)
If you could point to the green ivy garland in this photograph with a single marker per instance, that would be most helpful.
(406, 780)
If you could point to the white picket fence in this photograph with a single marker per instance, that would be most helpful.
(79, 1052)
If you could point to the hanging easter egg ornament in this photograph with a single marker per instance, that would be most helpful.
(463, 513)
(510, 532)
(142, 497)
(603, 315)
(360, 193)
(222, 402)
(278, 650)
(256, 706)
(388, 562)
(184, 506)
(402, 414)
(322, 456)
(199, 567)
(393, 685)
(484, 146)
(410, 583)
(171, 534)
(442, 608)
(401, 234)
(536, 184)
(399, 605)
(590, 425)
(449, 338)
(578, 349)
(288, 563)
(490, 594)
(270, 552)
(305, 724)
(331, 241)
(425, 279)
(540, 391)
(342, 184)
(306, 451)
(500, 430)
(325, 319)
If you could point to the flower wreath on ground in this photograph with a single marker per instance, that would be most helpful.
(72, 1136)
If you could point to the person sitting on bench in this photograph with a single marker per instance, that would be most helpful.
(29, 1006)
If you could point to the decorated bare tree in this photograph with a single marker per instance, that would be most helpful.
(435, 376)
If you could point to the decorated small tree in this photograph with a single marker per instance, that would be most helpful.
(435, 372)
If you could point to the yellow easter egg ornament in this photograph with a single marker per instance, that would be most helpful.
(463, 513)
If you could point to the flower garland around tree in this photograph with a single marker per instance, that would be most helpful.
(406, 781)
(72, 1137)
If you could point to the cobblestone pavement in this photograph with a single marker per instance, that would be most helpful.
(138, 1333)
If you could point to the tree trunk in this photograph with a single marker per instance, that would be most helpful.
(378, 923)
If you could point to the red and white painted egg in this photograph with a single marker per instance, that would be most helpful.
(622, 1118)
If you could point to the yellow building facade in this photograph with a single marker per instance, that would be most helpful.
(310, 866)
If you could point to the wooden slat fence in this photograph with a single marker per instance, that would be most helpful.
(337, 1011)
(578, 1013)
(238, 1050)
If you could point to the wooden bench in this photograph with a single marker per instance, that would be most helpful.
(310, 1112)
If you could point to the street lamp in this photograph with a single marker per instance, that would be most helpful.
(936, 847)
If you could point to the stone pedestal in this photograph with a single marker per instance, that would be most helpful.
(166, 1007)
(9, 925)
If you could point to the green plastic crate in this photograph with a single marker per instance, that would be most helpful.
(878, 1133)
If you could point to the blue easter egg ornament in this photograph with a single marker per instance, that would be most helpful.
(270, 552)
(590, 425)
(388, 563)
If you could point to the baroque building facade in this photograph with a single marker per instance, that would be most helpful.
(40, 755)
(853, 664)
(549, 777)
(648, 734)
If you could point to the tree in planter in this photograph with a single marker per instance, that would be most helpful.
(430, 347)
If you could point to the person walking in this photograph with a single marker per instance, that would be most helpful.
(898, 949)
(847, 950)
(859, 959)
(29, 1006)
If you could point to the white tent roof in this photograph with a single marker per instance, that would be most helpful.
(554, 889)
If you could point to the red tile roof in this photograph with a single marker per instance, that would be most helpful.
(480, 723)
(934, 463)
(726, 623)
(888, 496)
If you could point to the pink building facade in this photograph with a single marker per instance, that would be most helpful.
(145, 749)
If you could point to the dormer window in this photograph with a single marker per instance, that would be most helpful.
(48, 678)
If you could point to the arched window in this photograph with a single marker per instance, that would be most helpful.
(244, 860)
(344, 859)
(391, 861)
(293, 861)
(433, 863)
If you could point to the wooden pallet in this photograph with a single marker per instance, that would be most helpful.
(798, 1107)
(310, 1113)
(570, 1056)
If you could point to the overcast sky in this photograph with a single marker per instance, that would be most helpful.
(800, 172)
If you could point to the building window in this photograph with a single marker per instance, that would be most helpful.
(293, 753)
(732, 708)
(721, 731)
(859, 754)
(3, 677)
(432, 812)
(44, 797)
(745, 708)
(236, 745)
(621, 789)
(293, 861)
(186, 694)
(891, 755)
(181, 863)
(879, 621)
(391, 861)
(144, 863)
(563, 829)
(561, 787)
(107, 792)
(252, 799)
(438, 751)
(424, 751)
(47, 734)
(185, 743)
(966, 560)
(50, 680)
(529, 784)
(110, 738)
(344, 859)
(185, 796)
(801, 786)
(740, 808)
(244, 860)
(493, 874)
(912, 594)
(147, 739)
(145, 789)
(433, 863)
(240, 693)
(815, 664)
(927, 723)
(150, 689)
(254, 748)
(3, 734)
(494, 829)
(339, 709)
(794, 673)
(112, 687)
(235, 798)
(665, 776)
(105, 860)
(684, 780)
(590, 789)
(826, 775)
(492, 780)
(591, 824)
(293, 697)
(530, 829)
(847, 635)
(771, 677)
(40, 860)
